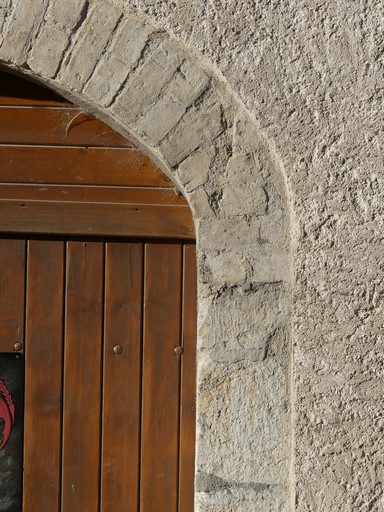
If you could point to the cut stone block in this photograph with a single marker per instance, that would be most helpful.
(201, 130)
(145, 87)
(92, 38)
(186, 86)
(118, 61)
(25, 20)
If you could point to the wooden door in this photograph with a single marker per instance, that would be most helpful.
(106, 327)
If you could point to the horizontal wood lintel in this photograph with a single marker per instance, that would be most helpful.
(96, 219)
(91, 194)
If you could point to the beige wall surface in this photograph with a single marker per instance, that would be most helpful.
(269, 117)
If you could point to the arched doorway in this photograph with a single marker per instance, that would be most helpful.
(98, 299)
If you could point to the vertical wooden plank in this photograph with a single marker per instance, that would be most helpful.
(12, 285)
(82, 377)
(43, 375)
(160, 416)
(122, 377)
(188, 382)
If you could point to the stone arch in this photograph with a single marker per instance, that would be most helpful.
(134, 77)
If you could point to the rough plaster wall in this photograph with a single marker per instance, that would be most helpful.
(131, 75)
(312, 74)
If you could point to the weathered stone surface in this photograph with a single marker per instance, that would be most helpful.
(248, 234)
(116, 64)
(92, 38)
(194, 134)
(229, 265)
(222, 267)
(236, 403)
(194, 171)
(26, 18)
(242, 498)
(46, 54)
(200, 203)
(66, 15)
(254, 312)
(244, 191)
(5, 6)
(271, 267)
(49, 47)
(145, 87)
(186, 86)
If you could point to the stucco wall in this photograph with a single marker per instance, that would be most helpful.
(284, 105)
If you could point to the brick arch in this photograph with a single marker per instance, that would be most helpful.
(120, 68)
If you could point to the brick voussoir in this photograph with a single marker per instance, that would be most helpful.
(184, 88)
(23, 24)
(91, 40)
(118, 62)
(145, 87)
(199, 131)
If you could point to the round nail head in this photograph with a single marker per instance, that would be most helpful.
(17, 346)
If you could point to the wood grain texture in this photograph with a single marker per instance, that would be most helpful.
(43, 376)
(115, 432)
(79, 166)
(122, 377)
(95, 219)
(58, 127)
(93, 194)
(12, 284)
(160, 417)
(188, 382)
(82, 377)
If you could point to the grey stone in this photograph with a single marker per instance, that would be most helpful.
(270, 267)
(185, 87)
(145, 87)
(26, 18)
(66, 15)
(118, 61)
(217, 233)
(47, 52)
(211, 483)
(194, 171)
(238, 396)
(92, 38)
(223, 267)
(254, 314)
(244, 191)
(49, 47)
(198, 132)
(200, 203)
(5, 6)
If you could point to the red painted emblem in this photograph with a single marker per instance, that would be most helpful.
(7, 413)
